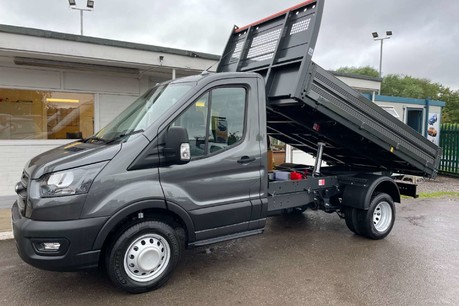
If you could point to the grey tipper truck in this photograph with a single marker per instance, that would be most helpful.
(187, 163)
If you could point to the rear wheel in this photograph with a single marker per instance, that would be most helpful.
(376, 222)
(349, 213)
(143, 257)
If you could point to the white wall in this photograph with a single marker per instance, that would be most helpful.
(113, 91)
(11, 77)
(14, 154)
(112, 94)
(401, 109)
(110, 106)
(359, 84)
(75, 51)
(296, 156)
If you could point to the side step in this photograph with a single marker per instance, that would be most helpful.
(225, 238)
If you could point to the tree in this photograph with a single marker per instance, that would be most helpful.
(366, 70)
(411, 87)
(450, 113)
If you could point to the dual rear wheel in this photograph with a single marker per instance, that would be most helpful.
(374, 223)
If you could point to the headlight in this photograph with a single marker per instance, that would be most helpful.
(68, 182)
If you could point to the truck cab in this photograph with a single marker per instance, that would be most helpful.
(73, 200)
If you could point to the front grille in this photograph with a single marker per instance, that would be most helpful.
(22, 193)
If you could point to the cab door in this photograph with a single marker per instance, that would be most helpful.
(222, 180)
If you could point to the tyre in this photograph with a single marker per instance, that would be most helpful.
(376, 222)
(349, 213)
(143, 256)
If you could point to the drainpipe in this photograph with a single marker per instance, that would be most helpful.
(427, 108)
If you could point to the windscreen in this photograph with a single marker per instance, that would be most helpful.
(144, 111)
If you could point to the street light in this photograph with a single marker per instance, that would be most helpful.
(89, 7)
(376, 37)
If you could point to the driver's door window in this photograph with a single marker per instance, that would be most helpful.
(194, 120)
(220, 129)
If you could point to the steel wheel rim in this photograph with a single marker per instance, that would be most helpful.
(382, 216)
(147, 257)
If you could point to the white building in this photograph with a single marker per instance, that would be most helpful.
(55, 87)
(362, 83)
(423, 115)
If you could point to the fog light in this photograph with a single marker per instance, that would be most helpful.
(50, 246)
(47, 246)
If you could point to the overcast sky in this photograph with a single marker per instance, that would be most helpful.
(425, 42)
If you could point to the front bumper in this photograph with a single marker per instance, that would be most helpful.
(76, 238)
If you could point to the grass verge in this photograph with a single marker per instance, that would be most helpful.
(438, 194)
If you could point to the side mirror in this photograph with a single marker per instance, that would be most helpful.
(177, 149)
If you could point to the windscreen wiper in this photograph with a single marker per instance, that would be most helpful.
(121, 136)
(95, 139)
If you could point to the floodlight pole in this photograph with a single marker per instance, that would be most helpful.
(376, 37)
(380, 54)
(73, 7)
(81, 16)
(81, 32)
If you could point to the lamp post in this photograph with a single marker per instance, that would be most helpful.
(89, 7)
(376, 37)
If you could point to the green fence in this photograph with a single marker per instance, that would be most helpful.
(449, 142)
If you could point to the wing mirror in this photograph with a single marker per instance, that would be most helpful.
(177, 149)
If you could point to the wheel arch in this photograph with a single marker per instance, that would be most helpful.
(358, 194)
(149, 208)
(389, 187)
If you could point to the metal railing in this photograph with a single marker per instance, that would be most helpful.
(449, 142)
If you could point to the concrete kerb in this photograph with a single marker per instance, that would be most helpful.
(5, 223)
(6, 235)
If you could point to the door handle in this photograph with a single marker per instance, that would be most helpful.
(246, 159)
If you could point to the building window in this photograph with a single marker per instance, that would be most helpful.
(35, 114)
(391, 110)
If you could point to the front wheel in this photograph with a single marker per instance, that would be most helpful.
(376, 222)
(143, 257)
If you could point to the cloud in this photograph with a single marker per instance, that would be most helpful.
(424, 44)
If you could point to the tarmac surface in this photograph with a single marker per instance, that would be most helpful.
(312, 259)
